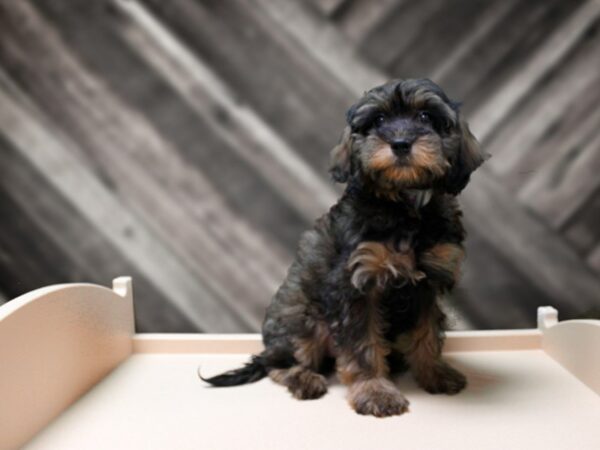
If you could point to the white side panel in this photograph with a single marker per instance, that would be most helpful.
(55, 344)
(575, 344)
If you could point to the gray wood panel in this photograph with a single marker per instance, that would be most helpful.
(287, 87)
(96, 34)
(186, 143)
(46, 241)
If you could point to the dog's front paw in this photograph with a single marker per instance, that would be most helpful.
(374, 262)
(377, 397)
(442, 379)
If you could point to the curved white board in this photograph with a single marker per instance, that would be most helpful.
(55, 344)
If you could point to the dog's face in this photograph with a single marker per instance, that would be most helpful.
(406, 134)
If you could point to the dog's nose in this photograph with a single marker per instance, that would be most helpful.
(400, 146)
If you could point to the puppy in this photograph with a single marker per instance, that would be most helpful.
(363, 292)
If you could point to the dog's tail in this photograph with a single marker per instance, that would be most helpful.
(251, 372)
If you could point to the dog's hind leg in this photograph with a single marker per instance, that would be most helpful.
(303, 380)
(423, 354)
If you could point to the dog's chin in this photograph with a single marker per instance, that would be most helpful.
(397, 187)
(403, 175)
(409, 180)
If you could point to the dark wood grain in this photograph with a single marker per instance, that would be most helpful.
(186, 143)
(287, 86)
(47, 242)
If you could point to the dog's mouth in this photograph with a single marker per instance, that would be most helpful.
(403, 160)
(416, 165)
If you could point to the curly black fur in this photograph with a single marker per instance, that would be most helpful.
(364, 287)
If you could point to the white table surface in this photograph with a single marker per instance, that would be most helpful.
(515, 400)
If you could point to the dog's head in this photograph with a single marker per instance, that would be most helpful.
(406, 134)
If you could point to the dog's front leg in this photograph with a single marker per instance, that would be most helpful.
(361, 360)
(423, 354)
(441, 263)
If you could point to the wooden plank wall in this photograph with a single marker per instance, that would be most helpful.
(186, 143)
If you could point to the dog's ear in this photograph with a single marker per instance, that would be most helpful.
(468, 158)
(340, 157)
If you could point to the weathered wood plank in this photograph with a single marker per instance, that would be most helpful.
(395, 32)
(46, 241)
(573, 128)
(287, 86)
(594, 255)
(488, 296)
(323, 42)
(131, 155)
(73, 179)
(494, 60)
(359, 17)
(594, 261)
(479, 31)
(197, 113)
(569, 179)
(583, 229)
(329, 7)
(255, 141)
(25, 264)
(555, 47)
(420, 52)
(526, 242)
(517, 142)
(559, 188)
(50, 155)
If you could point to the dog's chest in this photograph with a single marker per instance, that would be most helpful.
(398, 226)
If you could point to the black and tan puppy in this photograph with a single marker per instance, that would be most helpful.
(364, 288)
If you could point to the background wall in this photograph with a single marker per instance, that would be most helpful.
(186, 143)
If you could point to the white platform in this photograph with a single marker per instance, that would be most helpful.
(519, 395)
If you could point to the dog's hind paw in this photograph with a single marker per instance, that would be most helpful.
(302, 383)
(442, 379)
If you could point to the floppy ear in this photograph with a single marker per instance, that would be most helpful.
(340, 157)
(469, 158)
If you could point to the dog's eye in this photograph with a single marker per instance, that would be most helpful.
(425, 117)
(379, 120)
